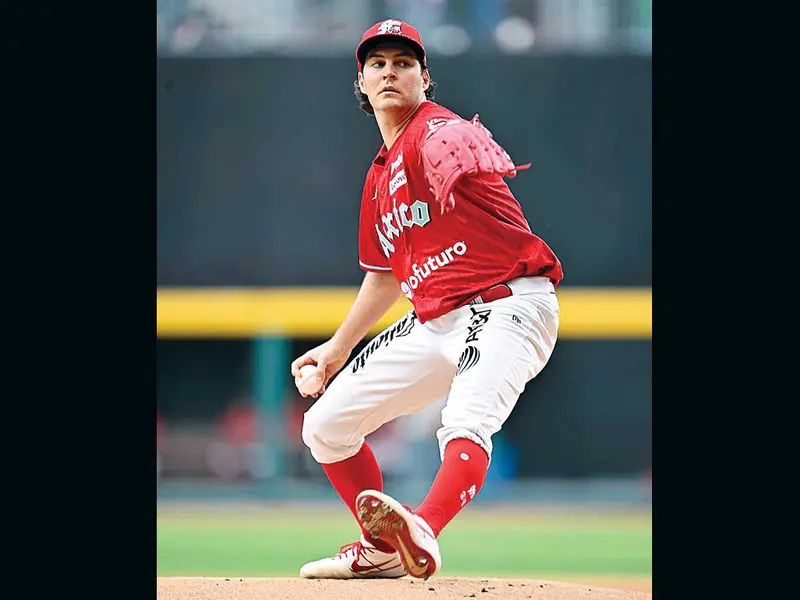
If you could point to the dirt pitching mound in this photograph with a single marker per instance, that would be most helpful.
(407, 588)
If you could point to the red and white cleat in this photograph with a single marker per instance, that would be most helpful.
(356, 560)
(391, 522)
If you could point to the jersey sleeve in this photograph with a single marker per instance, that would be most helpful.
(371, 257)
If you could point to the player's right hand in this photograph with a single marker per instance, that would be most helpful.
(329, 358)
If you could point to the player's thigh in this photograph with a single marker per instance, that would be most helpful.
(498, 348)
(400, 371)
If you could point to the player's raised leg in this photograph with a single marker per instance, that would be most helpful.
(498, 348)
(399, 372)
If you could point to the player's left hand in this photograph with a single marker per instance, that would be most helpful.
(462, 148)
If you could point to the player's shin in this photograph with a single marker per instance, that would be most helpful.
(459, 479)
(352, 476)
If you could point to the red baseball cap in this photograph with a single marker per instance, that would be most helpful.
(388, 29)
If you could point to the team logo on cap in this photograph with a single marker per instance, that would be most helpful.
(390, 27)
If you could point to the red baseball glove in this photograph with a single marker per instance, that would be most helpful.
(462, 148)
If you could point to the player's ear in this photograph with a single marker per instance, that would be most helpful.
(426, 79)
(361, 85)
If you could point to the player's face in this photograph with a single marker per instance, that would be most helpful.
(393, 79)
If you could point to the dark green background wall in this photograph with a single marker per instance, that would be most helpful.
(261, 162)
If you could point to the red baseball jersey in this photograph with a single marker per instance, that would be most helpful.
(443, 261)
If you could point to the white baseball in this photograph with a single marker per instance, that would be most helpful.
(308, 383)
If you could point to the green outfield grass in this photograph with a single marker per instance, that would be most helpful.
(274, 543)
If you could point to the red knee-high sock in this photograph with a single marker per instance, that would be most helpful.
(461, 476)
(352, 476)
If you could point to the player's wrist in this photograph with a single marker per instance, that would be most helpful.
(341, 344)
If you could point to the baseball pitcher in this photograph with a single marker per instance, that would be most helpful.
(439, 225)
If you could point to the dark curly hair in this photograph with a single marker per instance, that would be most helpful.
(363, 100)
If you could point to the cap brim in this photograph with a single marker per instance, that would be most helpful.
(368, 44)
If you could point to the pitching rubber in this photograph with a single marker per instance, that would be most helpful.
(389, 521)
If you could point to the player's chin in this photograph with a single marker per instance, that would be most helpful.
(389, 101)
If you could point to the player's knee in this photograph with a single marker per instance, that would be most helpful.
(475, 433)
(325, 437)
(313, 430)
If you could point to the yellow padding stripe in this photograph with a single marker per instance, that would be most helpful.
(586, 313)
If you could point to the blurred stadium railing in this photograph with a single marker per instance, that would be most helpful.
(449, 27)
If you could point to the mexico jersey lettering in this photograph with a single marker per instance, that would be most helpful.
(443, 261)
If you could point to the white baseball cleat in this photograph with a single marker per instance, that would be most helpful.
(391, 522)
(356, 560)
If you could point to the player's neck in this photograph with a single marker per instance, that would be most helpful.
(393, 123)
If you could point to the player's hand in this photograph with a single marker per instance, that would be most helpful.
(462, 149)
(329, 358)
